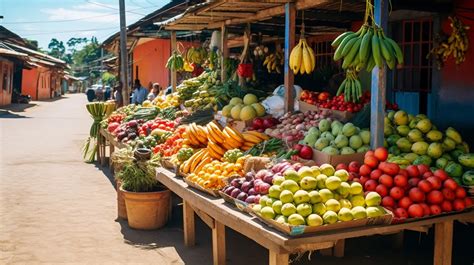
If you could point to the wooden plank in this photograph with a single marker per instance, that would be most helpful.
(326, 252)
(218, 244)
(224, 51)
(173, 48)
(188, 225)
(185, 27)
(421, 229)
(290, 18)
(276, 258)
(233, 14)
(205, 218)
(339, 248)
(378, 84)
(313, 246)
(443, 245)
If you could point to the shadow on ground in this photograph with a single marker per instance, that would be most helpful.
(11, 115)
(18, 107)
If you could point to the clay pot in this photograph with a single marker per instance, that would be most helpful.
(121, 208)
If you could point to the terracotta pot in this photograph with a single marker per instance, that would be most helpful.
(147, 210)
(121, 208)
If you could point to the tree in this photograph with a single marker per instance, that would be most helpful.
(108, 79)
(85, 60)
(56, 48)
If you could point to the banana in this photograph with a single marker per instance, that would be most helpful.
(306, 58)
(197, 135)
(215, 147)
(396, 48)
(201, 164)
(338, 53)
(339, 38)
(258, 134)
(351, 55)
(296, 58)
(376, 53)
(226, 145)
(216, 131)
(191, 137)
(231, 141)
(365, 45)
(235, 134)
(213, 153)
(252, 138)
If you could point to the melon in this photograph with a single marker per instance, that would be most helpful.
(259, 109)
(247, 113)
(235, 101)
(226, 110)
(249, 99)
(235, 112)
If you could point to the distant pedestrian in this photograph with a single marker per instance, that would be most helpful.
(155, 92)
(90, 94)
(107, 93)
(118, 96)
(139, 93)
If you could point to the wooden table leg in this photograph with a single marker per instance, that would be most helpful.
(218, 243)
(398, 239)
(188, 224)
(326, 251)
(339, 248)
(102, 150)
(111, 151)
(276, 258)
(443, 244)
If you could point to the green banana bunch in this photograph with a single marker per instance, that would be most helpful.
(274, 61)
(366, 48)
(302, 58)
(175, 62)
(351, 86)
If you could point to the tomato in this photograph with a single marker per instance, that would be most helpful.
(381, 153)
(416, 195)
(447, 206)
(435, 197)
(426, 209)
(381, 190)
(401, 213)
(413, 171)
(370, 185)
(401, 181)
(388, 202)
(460, 193)
(448, 194)
(435, 209)
(425, 186)
(415, 211)
(405, 202)
(413, 182)
(354, 166)
(371, 161)
(364, 170)
(396, 193)
(450, 184)
(423, 168)
(386, 180)
(468, 202)
(441, 174)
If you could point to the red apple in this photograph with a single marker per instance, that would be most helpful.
(388, 202)
(389, 168)
(375, 174)
(460, 193)
(427, 174)
(386, 180)
(435, 182)
(459, 205)
(435, 197)
(381, 153)
(426, 209)
(468, 202)
(400, 180)
(416, 195)
(370, 185)
(413, 171)
(354, 166)
(450, 184)
(448, 194)
(257, 123)
(440, 173)
(447, 206)
(413, 182)
(415, 211)
(425, 186)
(369, 153)
(401, 213)
(396, 193)
(371, 161)
(435, 209)
(365, 170)
(405, 202)
(403, 172)
(363, 180)
(341, 166)
(381, 190)
(422, 168)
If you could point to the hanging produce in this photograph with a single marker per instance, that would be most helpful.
(302, 58)
(368, 47)
(274, 61)
(245, 68)
(175, 62)
(456, 44)
(351, 87)
(196, 55)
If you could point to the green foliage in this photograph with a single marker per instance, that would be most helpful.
(108, 79)
(56, 48)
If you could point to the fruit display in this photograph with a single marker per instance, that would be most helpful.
(413, 192)
(351, 87)
(264, 148)
(273, 62)
(232, 155)
(302, 59)
(261, 124)
(260, 51)
(173, 143)
(128, 131)
(314, 196)
(157, 126)
(250, 188)
(196, 55)
(416, 140)
(184, 154)
(175, 62)
(293, 125)
(335, 138)
(244, 109)
(171, 100)
(198, 92)
(143, 113)
(456, 44)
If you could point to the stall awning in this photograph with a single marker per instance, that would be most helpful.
(8, 52)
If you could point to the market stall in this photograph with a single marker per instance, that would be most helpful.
(347, 164)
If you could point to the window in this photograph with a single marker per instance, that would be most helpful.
(415, 39)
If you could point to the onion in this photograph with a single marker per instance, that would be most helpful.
(300, 127)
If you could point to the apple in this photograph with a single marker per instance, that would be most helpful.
(459, 205)
(435, 209)
(415, 211)
(422, 168)
(388, 202)
(382, 190)
(375, 174)
(341, 166)
(426, 209)
(370, 185)
(413, 171)
(405, 202)
(396, 193)
(450, 184)
(435, 197)
(400, 180)
(416, 195)
(435, 182)
(365, 170)
(381, 153)
(447, 206)
(440, 173)
(401, 213)
(371, 161)
(425, 186)
(460, 193)
(386, 180)
(413, 182)
(448, 194)
(468, 202)
(354, 166)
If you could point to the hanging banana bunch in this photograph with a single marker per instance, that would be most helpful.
(351, 86)
(274, 61)
(175, 62)
(302, 59)
(456, 44)
(368, 47)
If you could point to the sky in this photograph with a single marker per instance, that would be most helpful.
(43, 20)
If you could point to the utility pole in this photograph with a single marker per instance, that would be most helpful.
(124, 54)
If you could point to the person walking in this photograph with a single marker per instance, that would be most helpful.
(118, 95)
(155, 92)
(139, 93)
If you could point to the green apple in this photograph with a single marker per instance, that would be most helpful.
(344, 189)
(290, 185)
(305, 172)
(315, 170)
(270, 201)
(333, 205)
(296, 219)
(333, 183)
(345, 203)
(374, 212)
(257, 208)
(319, 208)
(326, 194)
(285, 196)
(304, 209)
(308, 183)
(263, 200)
(356, 188)
(321, 178)
(301, 196)
(291, 174)
(357, 200)
(330, 217)
(274, 191)
(327, 169)
(373, 199)
(281, 219)
(345, 215)
(359, 212)
(288, 209)
(314, 197)
(314, 220)
(277, 207)
(277, 180)
(267, 212)
(342, 174)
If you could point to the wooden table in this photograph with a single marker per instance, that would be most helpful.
(107, 139)
(218, 214)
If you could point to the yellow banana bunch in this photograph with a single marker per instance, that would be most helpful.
(252, 138)
(302, 58)
(456, 44)
(196, 135)
(274, 61)
(367, 48)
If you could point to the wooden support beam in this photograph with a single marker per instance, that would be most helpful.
(290, 17)
(276, 258)
(188, 225)
(338, 250)
(378, 84)
(218, 244)
(173, 72)
(443, 245)
(209, 221)
(224, 52)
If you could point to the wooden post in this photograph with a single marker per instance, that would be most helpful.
(276, 258)
(173, 48)
(443, 243)
(188, 224)
(218, 243)
(339, 248)
(224, 52)
(378, 84)
(290, 25)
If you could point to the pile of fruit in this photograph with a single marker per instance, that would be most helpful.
(173, 143)
(261, 124)
(273, 62)
(171, 100)
(293, 125)
(334, 138)
(175, 62)
(251, 188)
(314, 196)
(198, 93)
(128, 131)
(416, 140)
(244, 109)
(412, 192)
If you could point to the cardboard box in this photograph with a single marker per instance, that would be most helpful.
(297, 230)
(321, 158)
(343, 116)
(303, 106)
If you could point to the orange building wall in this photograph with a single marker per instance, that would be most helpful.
(151, 58)
(36, 83)
(6, 67)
